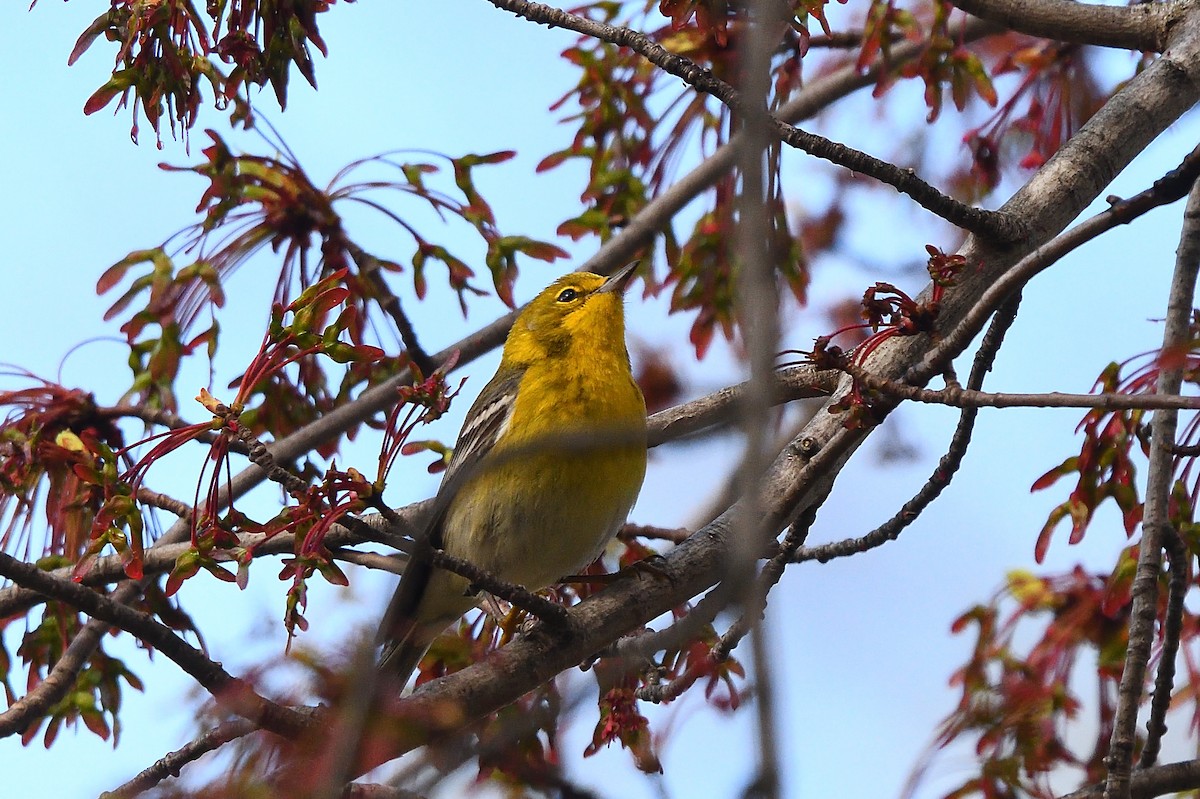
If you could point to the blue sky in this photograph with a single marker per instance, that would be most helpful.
(861, 648)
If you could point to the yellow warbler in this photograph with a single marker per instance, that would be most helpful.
(548, 463)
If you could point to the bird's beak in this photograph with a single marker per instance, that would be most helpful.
(619, 279)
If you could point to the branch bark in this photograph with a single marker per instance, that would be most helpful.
(1143, 26)
(1156, 524)
(1151, 782)
(992, 224)
(230, 692)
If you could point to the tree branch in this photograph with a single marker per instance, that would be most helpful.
(816, 95)
(969, 398)
(947, 465)
(1143, 26)
(1151, 782)
(718, 408)
(58, 682)
(989, 224)
(170, 764)
(1156, 522)
(368, 267)
(552, 614)
(1168, 189)
(1172, 629)
(230, 692)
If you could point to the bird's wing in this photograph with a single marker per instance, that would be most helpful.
(487, 421)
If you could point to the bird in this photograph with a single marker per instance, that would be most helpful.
(546, 468)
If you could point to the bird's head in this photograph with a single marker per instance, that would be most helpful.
(578, 309)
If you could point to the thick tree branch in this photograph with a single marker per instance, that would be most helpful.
(713, 410)
(1168, 189)
(1151, 782)
(1156, 522)
(1143, 26)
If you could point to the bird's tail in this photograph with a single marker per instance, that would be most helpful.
(425, 604)
(401, 656)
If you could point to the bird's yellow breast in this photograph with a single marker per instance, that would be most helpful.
(569, 469)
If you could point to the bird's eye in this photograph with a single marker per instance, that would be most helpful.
(566, 295)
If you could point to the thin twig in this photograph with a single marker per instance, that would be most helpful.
(968, 398)
(1172, 629)
(375, 790)
(230, 692)
(1186, 450)
(261, 457)
(637, 649)
(1168, 189)
(552, 613)
(169, 765)
(947, 465)
(368, 267)
(157, 500)
(370, 560)
(1156, 524)
(987, 224)
(163, 418)
(771, 573)
(632, 532)
(705, 611)
(843, 40)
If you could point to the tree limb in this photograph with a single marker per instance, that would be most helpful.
(1143, 26)
(991, 224)
(969, 398)
(716, 409)
(170, 764)
(1172, 629)
(947, 465)
(1168, 189)
(1156, 522)
(1151, 782)
(230, 692)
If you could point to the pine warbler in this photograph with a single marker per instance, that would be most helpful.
(548, 463)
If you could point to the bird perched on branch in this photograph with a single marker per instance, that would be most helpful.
(547, 466)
